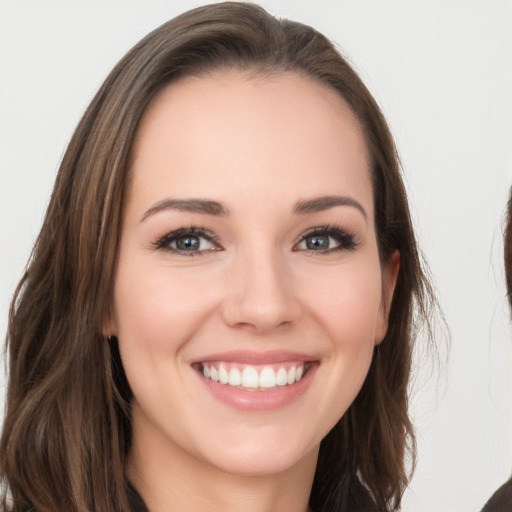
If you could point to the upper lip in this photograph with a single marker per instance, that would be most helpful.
(255, 358)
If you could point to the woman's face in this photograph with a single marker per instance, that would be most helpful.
(248, 293)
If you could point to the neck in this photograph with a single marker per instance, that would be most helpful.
(170, 480)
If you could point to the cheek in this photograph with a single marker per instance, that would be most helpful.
(347, 302)
(348, 309)
(158, 309)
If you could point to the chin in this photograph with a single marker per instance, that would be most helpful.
(261, 462)
(262, 453)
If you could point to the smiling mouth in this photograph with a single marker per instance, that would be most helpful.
(254, 377)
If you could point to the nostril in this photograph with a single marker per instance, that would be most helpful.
(257, 321)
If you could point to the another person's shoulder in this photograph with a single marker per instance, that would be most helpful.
(501, 500)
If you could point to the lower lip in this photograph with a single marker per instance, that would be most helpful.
(259, 400)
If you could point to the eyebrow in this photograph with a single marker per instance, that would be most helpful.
(319, 204)
(204, 206)
(209, 207)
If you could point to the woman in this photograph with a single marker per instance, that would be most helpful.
(230, 216)
(501, 500)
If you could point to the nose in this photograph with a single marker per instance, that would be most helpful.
(260, 293)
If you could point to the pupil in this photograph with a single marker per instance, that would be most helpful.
(318, 242)
(188, 243)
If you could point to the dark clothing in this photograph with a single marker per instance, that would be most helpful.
(360, 501)
(136, 502)
(501, 500)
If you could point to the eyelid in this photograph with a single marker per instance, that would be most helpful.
(163, 242)
(345, 238)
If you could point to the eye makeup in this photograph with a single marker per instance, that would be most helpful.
(194, 241)
(326, 239)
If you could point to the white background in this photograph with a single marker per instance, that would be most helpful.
(442, 72)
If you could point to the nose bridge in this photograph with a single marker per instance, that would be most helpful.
(260, 290)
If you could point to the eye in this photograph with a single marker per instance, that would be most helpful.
(188, 241)
(326, 239)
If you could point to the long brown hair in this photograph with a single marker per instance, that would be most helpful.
(67, 428)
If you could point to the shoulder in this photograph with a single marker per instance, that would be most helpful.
(501, 500)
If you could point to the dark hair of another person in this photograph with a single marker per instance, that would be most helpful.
(67, 428)
(501, 500)
(507, 250)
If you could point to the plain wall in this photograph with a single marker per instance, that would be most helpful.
(441, 71)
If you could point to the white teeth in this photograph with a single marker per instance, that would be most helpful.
(267, 378)
(250, 378)
(291, 375)
(281, 377)
(235, 377)
(223, 375)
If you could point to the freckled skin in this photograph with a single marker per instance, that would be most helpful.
(257, 146)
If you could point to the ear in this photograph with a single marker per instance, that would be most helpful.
(389, 277)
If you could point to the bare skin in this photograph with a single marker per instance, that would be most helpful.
(248, 245)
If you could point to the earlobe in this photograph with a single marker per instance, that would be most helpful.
(389, 279)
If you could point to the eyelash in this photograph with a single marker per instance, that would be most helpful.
(166, 241)
(342, 236)
(345, 238)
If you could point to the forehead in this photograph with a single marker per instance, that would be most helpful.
(278, 133)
